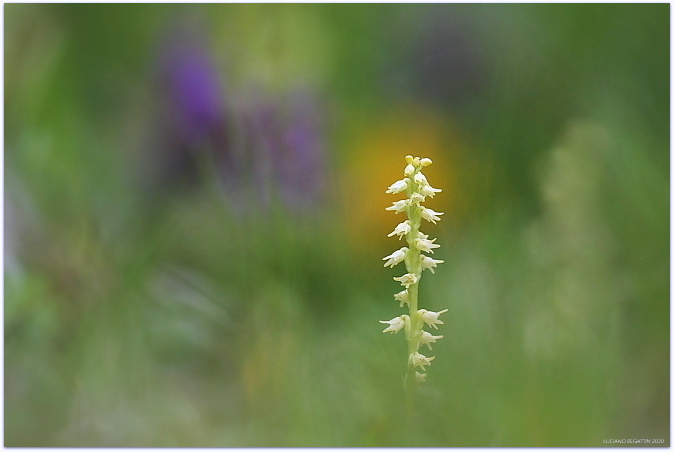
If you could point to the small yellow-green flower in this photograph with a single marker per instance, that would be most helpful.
(431, 318)
(407, 279)
(403, 297)
(401, 230)
(396, 257)
(420, 360)
(429, 263)
(425, 245)
(427, 338)
(395, 324)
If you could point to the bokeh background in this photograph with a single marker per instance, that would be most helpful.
(194, 223)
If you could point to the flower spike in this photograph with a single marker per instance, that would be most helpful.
(417, 188)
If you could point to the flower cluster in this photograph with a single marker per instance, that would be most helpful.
(417, 189)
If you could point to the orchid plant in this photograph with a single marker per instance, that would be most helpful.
(416, 187)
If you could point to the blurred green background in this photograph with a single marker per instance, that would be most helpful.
(194, 223)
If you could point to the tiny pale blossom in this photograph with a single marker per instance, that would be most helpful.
(427, 338)
(429, 263)
(396, 257)
(416, 199)
(420, 179)
(398, 186)
(426, 245)
(430, 214)
(416, 161)
(429, 191)
(394, 325)
(431, 317)
(403, 297)
(407, 279)
(425, 161)
(420, 360)
(399, 206)
(409, 169)
(402, 229)
(421, 378)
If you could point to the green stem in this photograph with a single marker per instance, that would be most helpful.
(413, 264)
(413, 339)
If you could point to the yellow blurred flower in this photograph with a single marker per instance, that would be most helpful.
(374, 162)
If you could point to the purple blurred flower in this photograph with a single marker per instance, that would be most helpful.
(193, 118)
(193, 90)
(265, 149)
(287, 147)
(301, 166)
